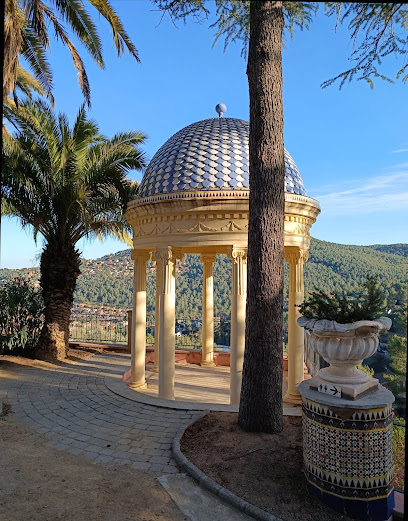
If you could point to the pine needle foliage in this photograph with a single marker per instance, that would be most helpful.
(232, 21)
(377, 30)
(367, 305)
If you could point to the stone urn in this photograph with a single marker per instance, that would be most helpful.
(344, 346)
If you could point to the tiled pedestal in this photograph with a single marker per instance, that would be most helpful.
(347, 452)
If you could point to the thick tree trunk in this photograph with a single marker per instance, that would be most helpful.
(59, 271)
(261, 394)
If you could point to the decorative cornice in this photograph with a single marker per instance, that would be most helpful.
(215, 194)
(199, 194)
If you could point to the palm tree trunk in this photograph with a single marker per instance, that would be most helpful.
(59, 271)
(261, 395)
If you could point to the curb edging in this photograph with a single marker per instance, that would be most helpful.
(211, 485)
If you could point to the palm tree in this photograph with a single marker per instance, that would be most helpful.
(25, 84)
(26, 25)
(66, 184)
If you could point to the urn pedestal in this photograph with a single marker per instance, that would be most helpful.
(347, 422)
(348, 452)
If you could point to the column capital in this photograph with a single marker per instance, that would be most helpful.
(295, 254)
(207, 257)
(238, 253)
(164, 254)
(140, 255)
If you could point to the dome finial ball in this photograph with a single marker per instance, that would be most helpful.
(220, 109)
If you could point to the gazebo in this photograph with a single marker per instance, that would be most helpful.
(193, 198)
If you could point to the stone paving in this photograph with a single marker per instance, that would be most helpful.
(72, 406)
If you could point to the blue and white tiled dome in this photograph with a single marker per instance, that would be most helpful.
(208, 155)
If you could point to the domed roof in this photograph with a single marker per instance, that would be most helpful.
(208, 155)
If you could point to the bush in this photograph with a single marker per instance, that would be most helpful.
(21, 317)
(378, 362)
(344, 309)
(399, 453)
(367, 370)
(396, 382)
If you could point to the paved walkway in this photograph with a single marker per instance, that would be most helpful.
(84, 408)
(74, 408)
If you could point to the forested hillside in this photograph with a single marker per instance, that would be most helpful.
(333, 267)
(397, 249)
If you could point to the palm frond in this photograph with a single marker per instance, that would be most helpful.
(27, 83)
(35, 54)
(78, 19)
(60, 33)
(14, 22)
(120, 36)
(34, 12)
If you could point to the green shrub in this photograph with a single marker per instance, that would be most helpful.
(396, 382)
(21, 317)
(399, 453)
(379, 362)
(366, 369)
(366, 305)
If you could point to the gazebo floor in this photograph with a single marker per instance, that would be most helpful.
(200, 385)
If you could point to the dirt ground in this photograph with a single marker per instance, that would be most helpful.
(41, 483)
(264, 469)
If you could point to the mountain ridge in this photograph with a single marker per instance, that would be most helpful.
(107, 280)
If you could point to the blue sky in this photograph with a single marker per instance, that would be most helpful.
(351, 146)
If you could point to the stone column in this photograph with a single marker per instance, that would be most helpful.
(296, 259)
(207, 350)
(167, 338)
(138, 331)
(129, 343)
(157, 315)
(238, 309)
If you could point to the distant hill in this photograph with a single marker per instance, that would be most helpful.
(332, 267)
(396, 249)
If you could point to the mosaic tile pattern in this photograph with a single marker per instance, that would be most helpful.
(350, 458)
(208, 155)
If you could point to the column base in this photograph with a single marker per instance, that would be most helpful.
(205, 363)
(292, 398)
(137, 387)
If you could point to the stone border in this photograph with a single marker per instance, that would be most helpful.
(210, 484)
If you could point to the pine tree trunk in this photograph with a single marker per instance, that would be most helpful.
(261, 394)
(59, 271)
